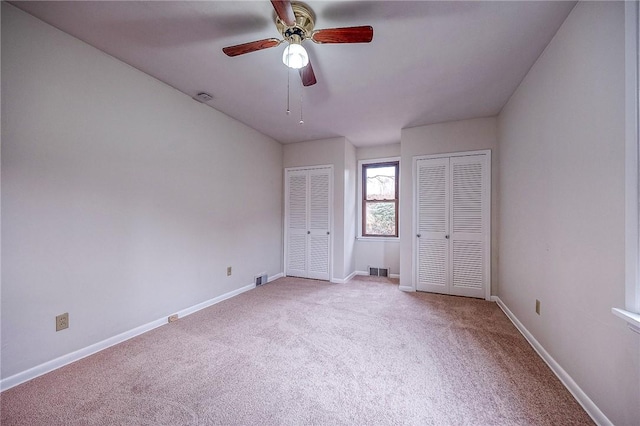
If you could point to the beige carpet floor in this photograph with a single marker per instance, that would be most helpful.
(297, 352)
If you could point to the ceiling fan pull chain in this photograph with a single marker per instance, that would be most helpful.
(288, 74)
(301, 120)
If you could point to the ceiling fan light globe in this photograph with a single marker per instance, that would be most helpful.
(295, 56)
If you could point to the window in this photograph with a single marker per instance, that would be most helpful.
(380, 199)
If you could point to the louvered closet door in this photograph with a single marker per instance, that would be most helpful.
(296, 213)
(452, 224)
(468, 222)
(432, 225)
(319, 217)
(308, 223)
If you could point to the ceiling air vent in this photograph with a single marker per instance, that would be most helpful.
(203, 97)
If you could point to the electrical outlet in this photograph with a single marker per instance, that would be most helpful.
(228, 271)
(537, 307)
(173, 318)
(62, 321)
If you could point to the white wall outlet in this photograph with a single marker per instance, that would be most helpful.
(228, 271)
(62, 321)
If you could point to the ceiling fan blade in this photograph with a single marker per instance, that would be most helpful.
(344, 35)
(241, 49)
(307, 75)
(284, 11)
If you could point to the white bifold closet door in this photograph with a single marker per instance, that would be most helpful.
(308, 223)
(452, 224)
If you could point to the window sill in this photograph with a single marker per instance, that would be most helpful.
(379, 239)
(633, 320)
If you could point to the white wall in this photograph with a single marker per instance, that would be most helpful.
(378, 151)
(378, 254)
(350, 208)
(375, 252)
(123, 200)
(322, 152)
(562, 207)
(456, 136)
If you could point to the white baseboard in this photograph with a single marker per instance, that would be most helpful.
(54, 364)
(407, 288)
(275, 277)
(207, 303)
(354, 273)
(345, 280)
(366, 273)
(589, 406)
(350, 276)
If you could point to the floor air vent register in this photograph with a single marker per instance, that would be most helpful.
(261, 279)
(378, 272)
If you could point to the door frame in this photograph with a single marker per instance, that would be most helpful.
(487, 219)
(286, 214)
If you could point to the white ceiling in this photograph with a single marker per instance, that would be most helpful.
(429, 62)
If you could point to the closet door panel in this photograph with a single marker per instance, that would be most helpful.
(432, 269)
(319, 224)
(297, 260)
(468, 225)
(467, 274)
(296, 213)
(432, 224)
(318, 257)
(319, 200)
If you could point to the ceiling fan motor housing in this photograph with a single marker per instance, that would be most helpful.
(303, 28)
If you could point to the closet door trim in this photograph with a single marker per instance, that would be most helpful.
(486, 219)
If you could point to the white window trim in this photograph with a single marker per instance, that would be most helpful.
(359, 180)
(631, 313)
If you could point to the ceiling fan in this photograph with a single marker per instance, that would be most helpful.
(295, 22)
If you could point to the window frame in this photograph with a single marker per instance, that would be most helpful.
(363, 165)
(631, 312)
